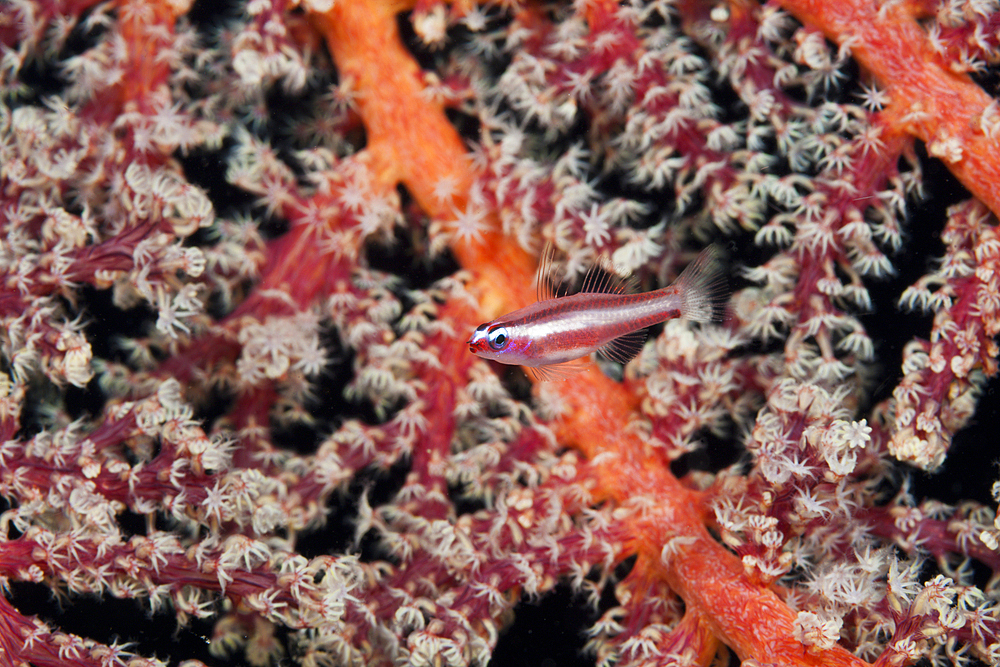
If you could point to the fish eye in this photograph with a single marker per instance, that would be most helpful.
(497, 337)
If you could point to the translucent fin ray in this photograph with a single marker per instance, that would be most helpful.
(543, 276)
(602, 278)
(625, 348)
(703, 288)
(560, 371)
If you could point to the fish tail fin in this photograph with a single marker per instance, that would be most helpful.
(703, 288)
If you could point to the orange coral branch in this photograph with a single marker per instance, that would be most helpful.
(750, 618)
(943, 108)
(411, 141)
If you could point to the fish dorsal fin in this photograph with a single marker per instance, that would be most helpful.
(604, 279)
(601, 278)
(543, 277)
(625, 348)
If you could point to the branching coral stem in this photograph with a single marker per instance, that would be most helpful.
(411, 141)
(748, 617)
(941, 107)
(409, 138)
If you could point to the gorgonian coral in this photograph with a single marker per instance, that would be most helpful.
(244, 248)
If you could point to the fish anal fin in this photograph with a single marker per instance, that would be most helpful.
(625, 348)
(560, 371)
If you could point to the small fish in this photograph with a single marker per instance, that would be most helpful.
(552, 336)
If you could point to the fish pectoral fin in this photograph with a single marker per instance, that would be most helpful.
(560, 371)
(625, 348)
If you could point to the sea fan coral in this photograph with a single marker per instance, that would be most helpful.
(244, 248)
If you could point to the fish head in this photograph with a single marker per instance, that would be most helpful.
(491, 341)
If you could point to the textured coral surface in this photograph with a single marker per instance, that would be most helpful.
(245, 244)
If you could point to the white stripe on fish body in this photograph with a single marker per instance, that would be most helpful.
(588, 310)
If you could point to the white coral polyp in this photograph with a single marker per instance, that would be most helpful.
(272, 348)
(815, 633)
(75, 364)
